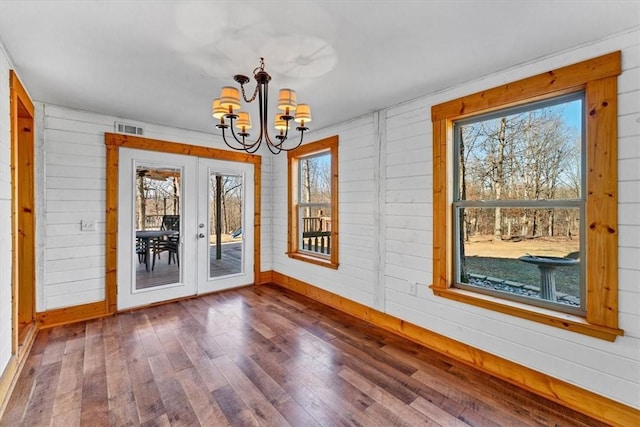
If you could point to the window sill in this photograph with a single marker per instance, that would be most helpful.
(537, 314)
(313, 260)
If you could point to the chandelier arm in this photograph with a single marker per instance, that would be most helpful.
(224, 138)
(273, 149)
(297, 145)
(245, 146)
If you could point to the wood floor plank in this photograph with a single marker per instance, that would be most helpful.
(54, 351)
(174, 351)
(68, 397)
(95, 397)
(233, 407)
(404, 413)
(148, 401)
(160, 421)
(295, 414)
(21, 396)
(260, 407)
(177, 404)
(334, 391)
(437, 414)
(41, 342)
(147, 335)
(205, 406)
(118, 380)
(122, 410)
(40, 407)
(288, 379)
(468, 397)
(67, 419)
(257, 356)
(207, 370)
(261, 380)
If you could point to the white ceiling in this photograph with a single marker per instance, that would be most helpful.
(164, 61)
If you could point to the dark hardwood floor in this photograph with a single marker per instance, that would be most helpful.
(257, 356)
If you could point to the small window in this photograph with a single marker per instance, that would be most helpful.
(313, 202)
(519, 204)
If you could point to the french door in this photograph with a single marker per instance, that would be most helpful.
(225, 224)
(185, 226)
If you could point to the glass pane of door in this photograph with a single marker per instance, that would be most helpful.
(225, 224)
(157, 225)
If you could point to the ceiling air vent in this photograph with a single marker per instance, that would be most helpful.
(129, 129)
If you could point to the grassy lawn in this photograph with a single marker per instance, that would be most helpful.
(567, 278)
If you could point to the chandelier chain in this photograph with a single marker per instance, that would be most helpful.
(244, 95)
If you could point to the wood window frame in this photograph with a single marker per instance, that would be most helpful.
(597, 77)
(329, 145)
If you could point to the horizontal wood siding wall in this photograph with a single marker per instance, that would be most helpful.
(5, 213)
(358, 270)
(608, 369)
(74, 151)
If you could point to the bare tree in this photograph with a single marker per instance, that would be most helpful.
(532, 155)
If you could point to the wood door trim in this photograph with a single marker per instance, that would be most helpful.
(22, 205)
(21, 114)
(113, 143)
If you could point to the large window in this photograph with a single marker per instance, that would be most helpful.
(519, 204)
(313, 202)
(525, 198)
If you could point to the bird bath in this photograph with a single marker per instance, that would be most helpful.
(547, 266)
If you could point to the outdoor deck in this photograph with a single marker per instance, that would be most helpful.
(163, 273)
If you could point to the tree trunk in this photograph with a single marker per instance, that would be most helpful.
(461, 219)
(218, 217)
(176, 196)
(307, 184)
(499, 180)
(142, 212)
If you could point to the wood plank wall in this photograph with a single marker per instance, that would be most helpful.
(386, 177)
(75, 158)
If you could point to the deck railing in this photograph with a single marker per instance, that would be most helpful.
(316, 234)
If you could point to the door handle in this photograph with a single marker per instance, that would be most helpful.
(201, 235)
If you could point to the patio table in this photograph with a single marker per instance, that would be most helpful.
(146, 236)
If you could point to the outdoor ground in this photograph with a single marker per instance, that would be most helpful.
(486, 246)
(499, 258)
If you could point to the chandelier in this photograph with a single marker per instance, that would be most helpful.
(226, 108)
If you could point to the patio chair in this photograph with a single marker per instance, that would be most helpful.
(169, 244)
(141, 250)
